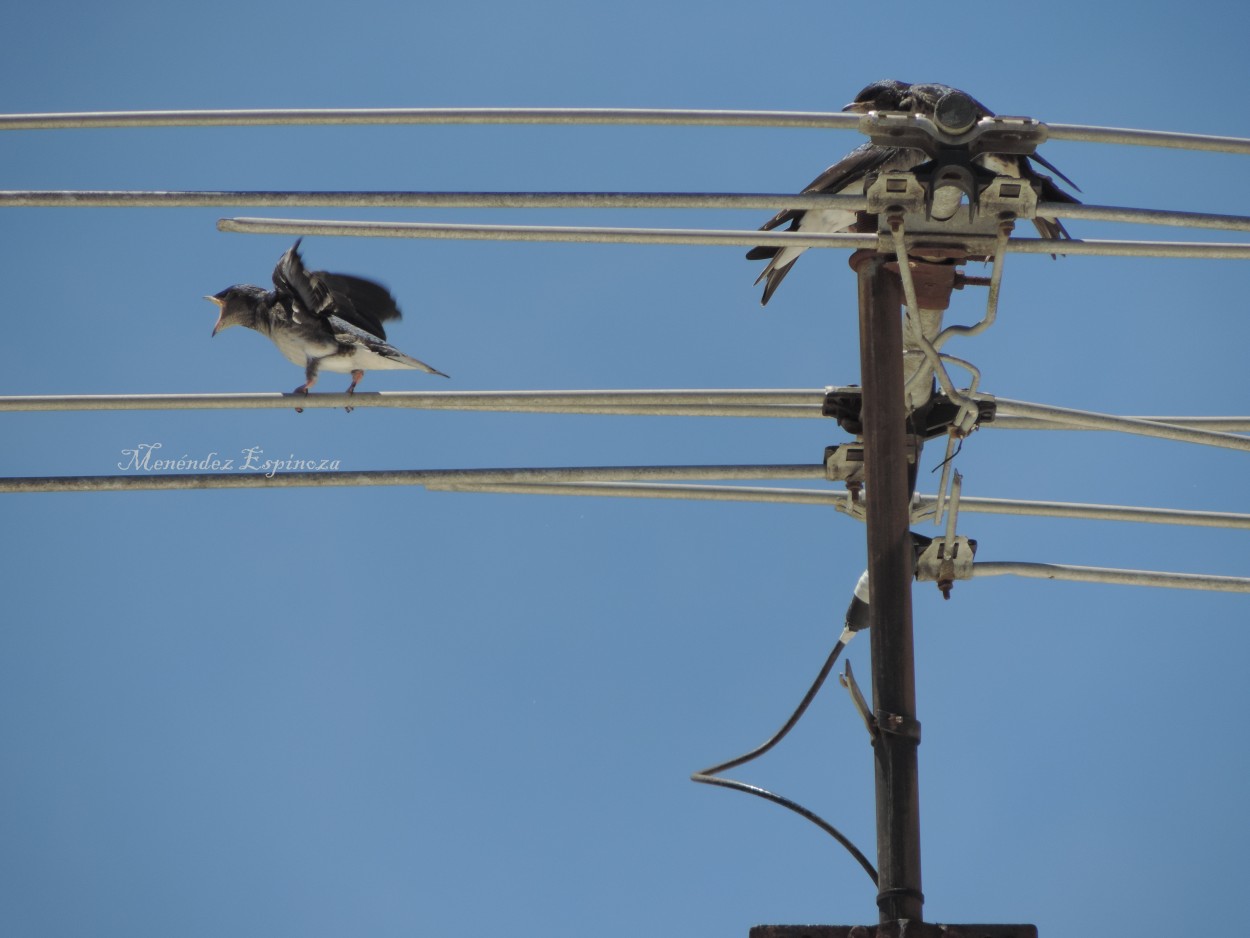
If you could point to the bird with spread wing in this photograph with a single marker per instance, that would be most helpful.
(319, 320)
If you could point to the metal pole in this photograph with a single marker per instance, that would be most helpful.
(890, 574)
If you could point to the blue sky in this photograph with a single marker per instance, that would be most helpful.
(390, 711)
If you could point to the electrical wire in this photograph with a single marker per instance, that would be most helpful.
(711, 776)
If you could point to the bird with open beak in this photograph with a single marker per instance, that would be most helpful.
(846, 177)
(318, 320)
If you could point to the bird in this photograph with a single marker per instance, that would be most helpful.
(319, 320)
(846, 177)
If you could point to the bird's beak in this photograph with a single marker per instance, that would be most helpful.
(857, 107)
(221, 305)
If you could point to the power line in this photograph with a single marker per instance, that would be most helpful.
(699, 236)
(819, 120)
(122, 198)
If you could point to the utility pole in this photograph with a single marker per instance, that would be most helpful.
(922, 270)
(890, 560)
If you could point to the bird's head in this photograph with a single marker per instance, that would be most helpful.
(886, 95)
(238, 305)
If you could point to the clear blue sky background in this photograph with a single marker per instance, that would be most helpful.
(394, 712)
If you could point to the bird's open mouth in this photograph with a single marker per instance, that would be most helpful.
(221, 305)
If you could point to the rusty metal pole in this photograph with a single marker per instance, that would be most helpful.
(890, 562)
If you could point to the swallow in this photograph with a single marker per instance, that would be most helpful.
(847, 176)
(318, 320)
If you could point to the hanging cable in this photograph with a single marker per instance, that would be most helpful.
(856, 620)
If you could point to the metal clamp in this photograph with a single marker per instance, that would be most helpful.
(1012, 135)
(944, 561)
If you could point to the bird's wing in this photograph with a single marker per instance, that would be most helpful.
(1042, 161)
(359, 302)
(852, 168)
(371, 302)
(292, 281)
(348, 334)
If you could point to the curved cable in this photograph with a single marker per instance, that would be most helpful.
(789, 724)
(797, 809)
(709, 776)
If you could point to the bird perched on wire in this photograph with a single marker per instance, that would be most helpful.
(846, 177)
(319, 320)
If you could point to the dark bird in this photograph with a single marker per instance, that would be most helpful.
(318, 320)
(846, 177)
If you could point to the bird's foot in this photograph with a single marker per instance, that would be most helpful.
(351, 388)
(302, 389)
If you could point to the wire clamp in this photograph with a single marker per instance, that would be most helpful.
(898, 725)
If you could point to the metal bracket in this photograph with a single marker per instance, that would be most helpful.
(1011, 135)
(845, 463)
(845, 405)
(943, 412)
(898, 725)
(1007, 196)
(947, 212)
(847, 680)
(942, 565)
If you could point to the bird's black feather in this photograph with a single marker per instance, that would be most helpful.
(362, 303)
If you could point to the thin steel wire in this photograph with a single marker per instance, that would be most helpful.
(698, 236)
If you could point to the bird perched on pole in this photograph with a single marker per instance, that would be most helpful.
(846, 177)
(318, 320)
